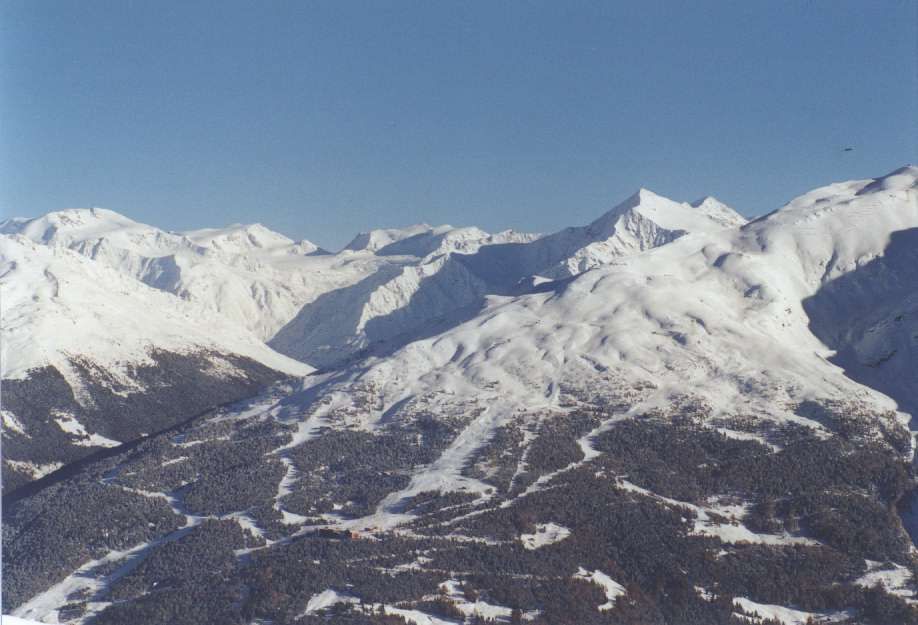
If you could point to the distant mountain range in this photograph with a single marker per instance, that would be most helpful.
(668, 415)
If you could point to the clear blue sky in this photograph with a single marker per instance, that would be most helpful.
(320, 119)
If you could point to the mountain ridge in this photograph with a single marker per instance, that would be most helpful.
(695, 421)
(397, 309)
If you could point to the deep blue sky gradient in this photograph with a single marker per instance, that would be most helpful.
(320, 119)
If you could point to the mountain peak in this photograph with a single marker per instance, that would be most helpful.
(374, 240)
(641, 197)
(643, 194)
(661, 213)
(241, 238)
(639, 201)
(69, 224)
(75, 217)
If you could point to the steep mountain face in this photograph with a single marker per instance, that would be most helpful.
(459, 267)
(696, 421)
(377, 315)
(866, 308)
(91, 358)
(642, 222)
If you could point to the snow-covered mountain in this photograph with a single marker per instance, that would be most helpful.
(718, 318)
(375, 240)
(642, 222)
(240, 239)
(250, 274)
(59, 306)
(95, 301)
(82, 342)
(384, 289)
(667, 416)
(422, 240)
(459, 267)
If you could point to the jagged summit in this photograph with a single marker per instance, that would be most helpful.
(422, 240)
(707, 214)
(703, 200)
(644, 221)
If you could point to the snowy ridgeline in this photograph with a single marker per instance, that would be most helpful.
(734, 321)
(78, 261)
(658, 391)
(114, 312)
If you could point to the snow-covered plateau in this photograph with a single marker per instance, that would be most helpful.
(668, 415)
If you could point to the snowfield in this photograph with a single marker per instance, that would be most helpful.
(545, 534)
(754, 613)
(613, 589)
(12, 620)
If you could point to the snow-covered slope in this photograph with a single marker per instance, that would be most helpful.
(397, 304)
(458, 267)
(422, 239)
(58, 305)
(13, 620)
(387, 287)
(717, 317)
(248, 273)
(243, 239)
(375, 240)
(446, 239)
(258, 278)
